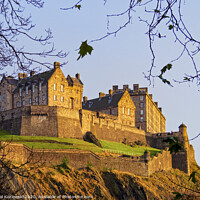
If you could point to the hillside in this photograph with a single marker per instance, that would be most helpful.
(91, 183)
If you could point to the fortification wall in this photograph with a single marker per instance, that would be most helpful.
(107, 127)
(79, 159)
(162, 161)
(156, 140)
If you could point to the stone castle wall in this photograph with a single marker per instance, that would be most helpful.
(58, 121)
(141, 166)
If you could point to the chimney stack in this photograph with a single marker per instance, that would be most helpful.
(115, 88)
(85, 99)
(125, 87)
(78, 76)
(32, 73)
(151, 96)
(136, 87)
(20, 76)
(110, 92)
(160, 109)
(156, 103)
(101, 94)
(56, 65)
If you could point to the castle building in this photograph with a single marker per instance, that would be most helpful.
(48, 88)
(117, 104)
(148, 115)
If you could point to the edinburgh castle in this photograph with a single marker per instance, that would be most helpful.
(49, 104)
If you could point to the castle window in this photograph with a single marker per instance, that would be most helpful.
(123, 110)
(62, 88)
(141, 98)
(40, 86)
(30, 101)
(141, 112)
(26, 89)
(141, 119)
(71, 103)
(17, 104)
(36, 99)
(33, 88)
(141, 105)
(20, 92)
(129, 111)
(54, 86)
(112, 111)
(76, 91)
(62, 99)
(43, 97)
(54, 97)
(23, 102)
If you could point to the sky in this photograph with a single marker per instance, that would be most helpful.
(124, 58)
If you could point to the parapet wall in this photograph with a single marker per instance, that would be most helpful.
(141, 166)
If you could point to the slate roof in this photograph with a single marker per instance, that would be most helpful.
(75, 81)
(102, 103)
(44, 76)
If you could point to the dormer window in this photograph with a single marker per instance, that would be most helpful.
(20, 92)
(90, 104)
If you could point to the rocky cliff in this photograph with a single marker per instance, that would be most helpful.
(63, 182)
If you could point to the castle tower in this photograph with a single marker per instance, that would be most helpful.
(183, 131)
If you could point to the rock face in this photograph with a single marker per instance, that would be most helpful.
(90, 137)
(61, 182)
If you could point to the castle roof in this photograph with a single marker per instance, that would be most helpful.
(74, 81)
(44, 77)
(182, 125)
(108, 101)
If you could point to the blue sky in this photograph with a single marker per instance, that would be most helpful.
(123, 59)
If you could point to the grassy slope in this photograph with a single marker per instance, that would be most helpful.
(42, 142)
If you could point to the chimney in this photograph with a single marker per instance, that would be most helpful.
(125, 87)
(78, 76)
(160, 109)
(25, 75)
(136, 87)
(115, 88)
(85, 99)
(32, 73)
(156, 103)
(56, 65)
(101, 94)
(151, 96)
(20, 76)
(110, 92)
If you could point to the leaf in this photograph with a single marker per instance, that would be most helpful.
(84, 49)
(157, 11)
(192, 177)
(178, 195)
(78, 6)
(171, 27)
(186, 79)
(165, 68)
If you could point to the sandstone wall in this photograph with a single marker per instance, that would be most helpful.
(79, 159)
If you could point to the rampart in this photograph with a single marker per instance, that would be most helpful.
(57, 121)
(141, 166)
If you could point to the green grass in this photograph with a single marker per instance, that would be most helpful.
(39, 143)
